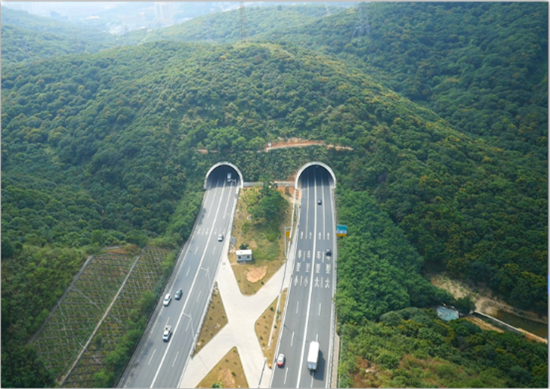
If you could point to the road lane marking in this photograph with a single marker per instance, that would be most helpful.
(152, 357)
(199, 296)
(196, 249)
(186, 274)
(317, 337)
(319, 314)
(308, 303)
(286, 373)
(175, 359)
(190, 290)
(167, 321)
(188, 323)
(292, 339)
(297, 306)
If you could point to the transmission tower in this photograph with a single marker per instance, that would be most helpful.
(242, 22)
(362, 25)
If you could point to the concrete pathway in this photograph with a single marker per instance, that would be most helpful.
(242, 313)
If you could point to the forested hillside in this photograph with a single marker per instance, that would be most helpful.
(99, 149)
(225, 28)
(482, 67)
(28, 37)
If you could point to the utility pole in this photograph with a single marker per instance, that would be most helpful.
(242, 23)
(362, 25)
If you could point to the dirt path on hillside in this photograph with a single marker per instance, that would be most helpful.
(483, 299)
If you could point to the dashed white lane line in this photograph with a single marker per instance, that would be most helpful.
(152, 357)
(167, 321)
(199, 296)
(186, 274)
(297, 306)
(319, 314)
(196, 249)
(175, 359)
(286, 373)
(292, 339)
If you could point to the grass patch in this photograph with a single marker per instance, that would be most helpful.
(263, 328)
(228, 372)
(216, 319)
(266, 242)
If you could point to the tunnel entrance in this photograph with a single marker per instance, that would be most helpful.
(223, 172)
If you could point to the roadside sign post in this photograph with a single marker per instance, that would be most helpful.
(341, 230)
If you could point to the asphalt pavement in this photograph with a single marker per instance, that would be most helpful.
(161, 364)
(309, 312)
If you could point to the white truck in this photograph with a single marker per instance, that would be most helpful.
(166, 334)
(313, 356)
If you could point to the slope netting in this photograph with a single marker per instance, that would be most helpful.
(71, 324)
(145, 277)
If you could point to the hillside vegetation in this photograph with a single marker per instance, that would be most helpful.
(28, 38)
(100, 149)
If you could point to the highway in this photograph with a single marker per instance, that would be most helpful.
(161, 364)
(309, 310)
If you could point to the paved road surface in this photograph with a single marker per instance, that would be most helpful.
(160, 364)
(309, 309)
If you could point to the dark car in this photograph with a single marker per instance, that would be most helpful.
(328, 253)
(178, 294)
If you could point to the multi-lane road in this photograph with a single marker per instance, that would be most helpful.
(309, 311)
(161, 364)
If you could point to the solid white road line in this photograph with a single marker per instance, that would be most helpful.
(175, 359)
(190, 290)
(152, 357)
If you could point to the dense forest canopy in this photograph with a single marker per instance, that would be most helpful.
(99, 149)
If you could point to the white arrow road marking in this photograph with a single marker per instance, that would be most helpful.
(299, 253)
(308, 254)
(296, 281)
(318, 255)
(152, 357)
(298, 266)
(328, 268)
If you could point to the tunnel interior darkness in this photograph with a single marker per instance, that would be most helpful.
(218, 176)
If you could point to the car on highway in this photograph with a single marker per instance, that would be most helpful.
(167, 299)
(319, 202)
(167, 333)
(281, 360)
(220, 238)
(178, 294)
(328, 253)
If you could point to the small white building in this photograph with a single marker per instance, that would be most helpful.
(244, 255)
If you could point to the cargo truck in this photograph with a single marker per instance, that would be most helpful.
(313, 356)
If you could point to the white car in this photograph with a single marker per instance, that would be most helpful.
(167, 299)
(281, 360)
(220, 238)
